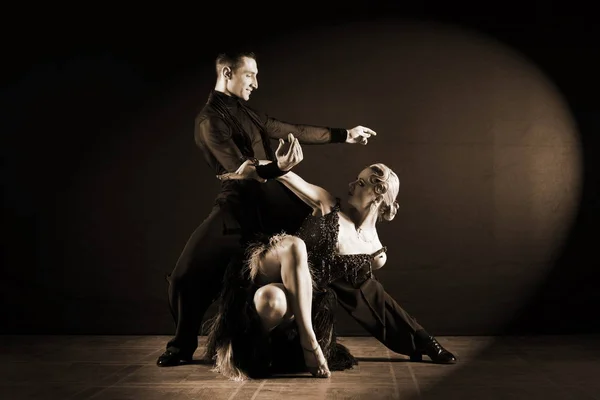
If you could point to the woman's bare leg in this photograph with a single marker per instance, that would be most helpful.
(288, 263)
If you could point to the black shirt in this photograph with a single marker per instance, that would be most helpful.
(228, 132)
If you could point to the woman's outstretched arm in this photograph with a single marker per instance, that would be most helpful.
(313, 195)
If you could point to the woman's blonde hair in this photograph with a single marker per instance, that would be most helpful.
(387, 184)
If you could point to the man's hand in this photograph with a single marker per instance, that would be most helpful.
(287, 160)
(245, 171)
(360, 134)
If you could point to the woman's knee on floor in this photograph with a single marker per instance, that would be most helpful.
(271, 302)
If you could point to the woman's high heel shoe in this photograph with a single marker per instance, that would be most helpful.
(321, 370)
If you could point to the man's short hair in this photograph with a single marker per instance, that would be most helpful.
(232, 59)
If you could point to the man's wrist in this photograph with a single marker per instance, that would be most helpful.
(339, 135)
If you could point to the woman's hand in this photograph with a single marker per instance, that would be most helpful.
(246, 171)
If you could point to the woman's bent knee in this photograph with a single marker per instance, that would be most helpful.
(270, 301)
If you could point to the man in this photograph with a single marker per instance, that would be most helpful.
(228, 133)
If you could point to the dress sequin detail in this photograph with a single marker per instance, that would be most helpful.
(320, 233)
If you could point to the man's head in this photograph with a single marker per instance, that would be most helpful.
(237, 74)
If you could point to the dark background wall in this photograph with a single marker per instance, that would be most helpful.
(489, 122)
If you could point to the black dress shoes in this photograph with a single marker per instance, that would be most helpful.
(172, 358)
(433, 350)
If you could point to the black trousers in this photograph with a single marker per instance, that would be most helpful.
(376, 311)
(196, 281)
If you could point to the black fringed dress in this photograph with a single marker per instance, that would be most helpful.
(237, 344)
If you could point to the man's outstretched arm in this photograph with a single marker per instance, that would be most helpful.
(311, 134)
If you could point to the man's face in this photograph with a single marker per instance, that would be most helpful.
(243, 80)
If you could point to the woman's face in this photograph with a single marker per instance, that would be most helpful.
(361, 191)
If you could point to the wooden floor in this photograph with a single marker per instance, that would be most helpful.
(123, 367)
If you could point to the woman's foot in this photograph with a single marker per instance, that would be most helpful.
(316, 362)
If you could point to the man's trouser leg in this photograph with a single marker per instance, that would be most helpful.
(197, 277)
(376, 311)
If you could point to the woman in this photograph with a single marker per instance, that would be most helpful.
(288, 275)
